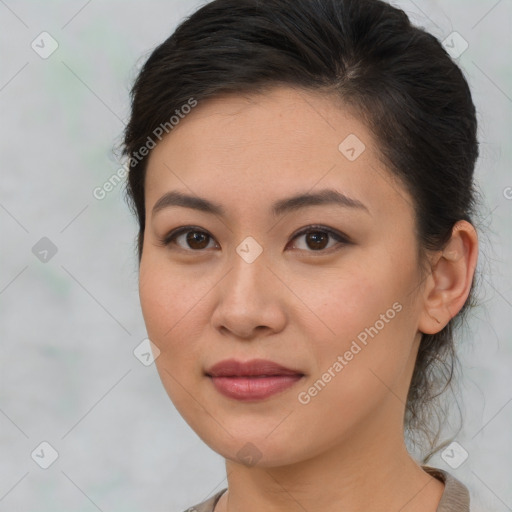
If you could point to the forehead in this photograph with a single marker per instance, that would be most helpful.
(254, 149)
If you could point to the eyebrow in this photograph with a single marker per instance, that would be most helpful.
(322, 197)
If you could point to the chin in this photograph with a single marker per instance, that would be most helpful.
(254, 450)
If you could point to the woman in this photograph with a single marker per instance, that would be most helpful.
(302, 174)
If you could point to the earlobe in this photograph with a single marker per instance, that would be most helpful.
(449, 284)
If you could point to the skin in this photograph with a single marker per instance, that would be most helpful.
(296, 305)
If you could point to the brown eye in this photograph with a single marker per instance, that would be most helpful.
(197, 239)
(316, 239)
(188, 238)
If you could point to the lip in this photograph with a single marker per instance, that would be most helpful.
(251, 368)
(256, 379)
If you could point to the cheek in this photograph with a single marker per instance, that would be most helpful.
(365, 317)
(344, 301)
(172, 318)
(171, 306)
(357, 376)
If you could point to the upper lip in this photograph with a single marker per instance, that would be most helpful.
(253, 367)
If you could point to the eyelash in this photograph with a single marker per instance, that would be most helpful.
(338, 237)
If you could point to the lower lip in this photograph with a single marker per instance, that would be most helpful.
(253, 388)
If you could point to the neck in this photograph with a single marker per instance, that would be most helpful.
(368, 471)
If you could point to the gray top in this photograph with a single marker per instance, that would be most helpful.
(455, 497)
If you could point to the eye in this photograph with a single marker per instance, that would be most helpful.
(317, 238)
(192, 238)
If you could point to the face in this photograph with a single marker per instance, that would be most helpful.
(325, 286)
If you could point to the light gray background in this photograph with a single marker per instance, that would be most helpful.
(68, 327)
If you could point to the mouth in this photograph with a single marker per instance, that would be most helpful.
(253, 380)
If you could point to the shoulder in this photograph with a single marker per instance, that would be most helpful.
(455, 497)
(207, 505)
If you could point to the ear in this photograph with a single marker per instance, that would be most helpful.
(448, 285)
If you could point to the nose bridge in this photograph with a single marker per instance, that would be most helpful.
(245, 300)
(248, 269)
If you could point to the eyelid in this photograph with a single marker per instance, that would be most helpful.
(172, 235)
(319, 227)
(338, 236)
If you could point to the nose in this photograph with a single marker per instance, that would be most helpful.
(249, 301)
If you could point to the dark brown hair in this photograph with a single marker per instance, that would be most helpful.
(397, 78)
